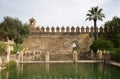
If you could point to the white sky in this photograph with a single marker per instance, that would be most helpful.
(58, 12)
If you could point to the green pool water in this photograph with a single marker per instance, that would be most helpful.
(63, 71)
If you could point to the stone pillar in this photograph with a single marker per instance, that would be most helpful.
(8, 53)
(18, 53)
(0, 61)
(33, 55)
(47, 57)
(105, 55)
(92, 54)
(75, 56)
(8, 56)
(40, 55)
(9, 48)
(21, 55)
(100, 54)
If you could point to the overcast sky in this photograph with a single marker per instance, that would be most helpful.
(58, 12)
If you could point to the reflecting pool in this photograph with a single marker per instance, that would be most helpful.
(62, 71)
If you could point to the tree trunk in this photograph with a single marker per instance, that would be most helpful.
(95, 29)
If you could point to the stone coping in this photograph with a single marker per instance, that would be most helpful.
(114, 63)
(80, 61)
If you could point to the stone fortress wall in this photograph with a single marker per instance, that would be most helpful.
(58, 41)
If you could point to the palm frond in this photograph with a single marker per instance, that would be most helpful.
(95, 13)
(88, 15)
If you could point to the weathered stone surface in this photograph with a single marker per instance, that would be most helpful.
(58, 44)
(0, 61)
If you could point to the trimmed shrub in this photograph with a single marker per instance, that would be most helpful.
(101, 44)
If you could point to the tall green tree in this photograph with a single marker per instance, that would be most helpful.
(112, 31)
(14, 29)
(95, 14)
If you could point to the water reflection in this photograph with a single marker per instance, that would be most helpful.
(75, 66)
(47, 67)
(7, 75)
(62, 71)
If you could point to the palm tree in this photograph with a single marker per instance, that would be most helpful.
(95, 14)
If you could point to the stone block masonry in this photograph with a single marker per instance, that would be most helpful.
(57, 44)
(58, 41)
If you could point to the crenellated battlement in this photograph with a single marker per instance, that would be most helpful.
(62, 29)
(67, 29)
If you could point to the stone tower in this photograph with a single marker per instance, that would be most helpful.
(32, 23)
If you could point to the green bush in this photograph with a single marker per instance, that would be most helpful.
(17, 47)
(3, 47)
(115, 55)
(101, 44)
(10, 65)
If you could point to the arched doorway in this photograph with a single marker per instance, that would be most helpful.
(75, 45)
